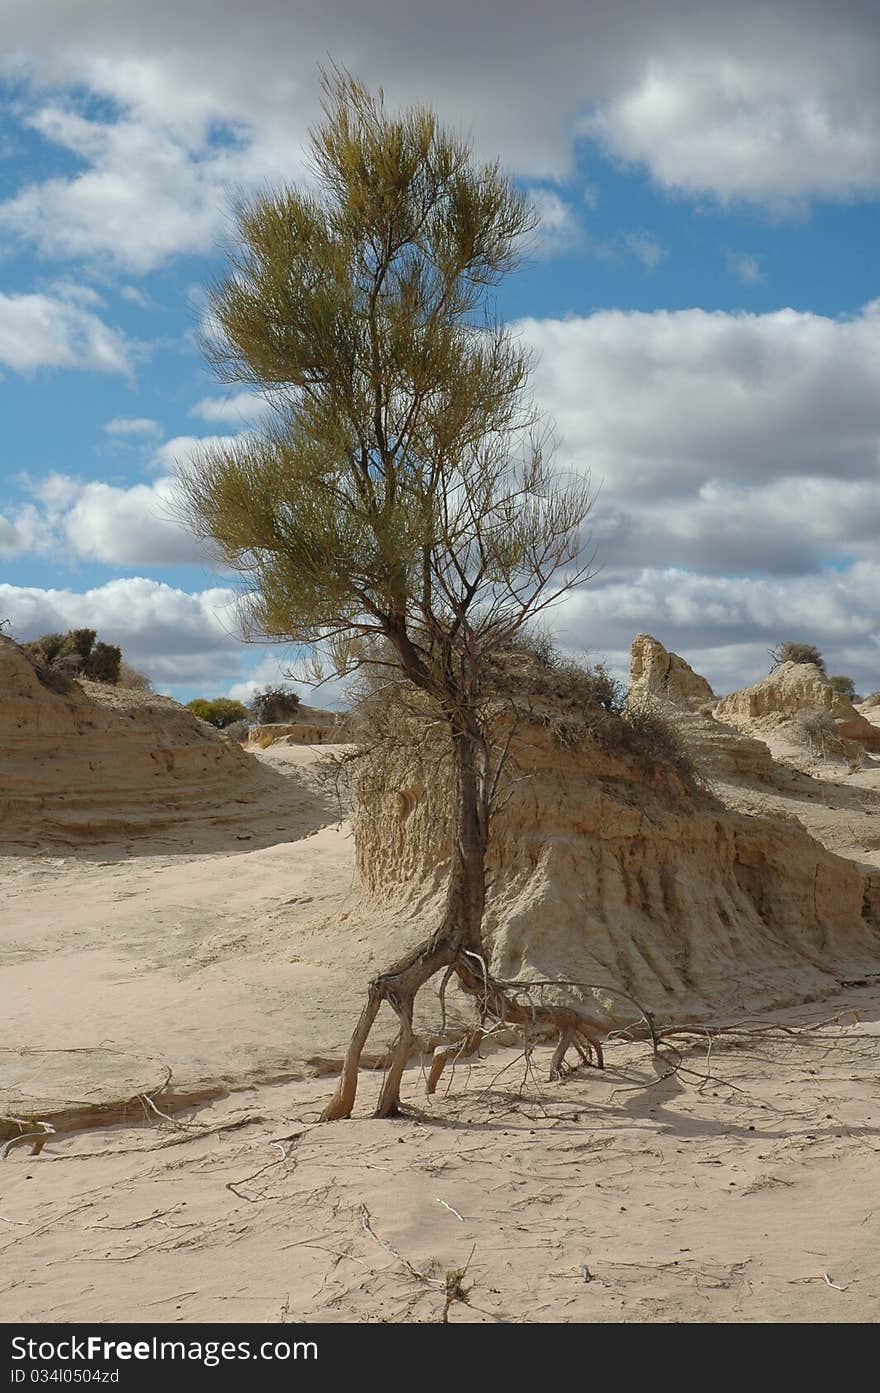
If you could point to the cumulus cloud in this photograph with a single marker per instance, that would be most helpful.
(772, 104)
(127, 526)
(657, 405)
(46, 331)
(725, 625)
(558, 229)
(237, 408)
(132, 425)
(175, 637)
(180, 450)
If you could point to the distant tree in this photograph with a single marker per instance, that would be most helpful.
(797, 653)
(845, 686)
(275, 704)
(219, 712)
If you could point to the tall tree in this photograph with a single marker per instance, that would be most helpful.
(400, 511)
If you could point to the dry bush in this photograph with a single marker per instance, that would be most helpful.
(797, 653)
(132, 680)
(818, 731)
(275, 706)
(76, 654)
(872, 699)
(578, 703)
(238, 730)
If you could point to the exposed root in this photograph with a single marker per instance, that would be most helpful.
(500, 1004)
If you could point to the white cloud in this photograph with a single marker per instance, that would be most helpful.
(95, 521)
(181, 449)
(799, 119)
(175, 637)
(133, 296)
(45, 331)
(724, 625)
(656, 405)
(745, 267)
(558, 229)
(239, 407)
(129, 526)
(132, 425)
(770, 103)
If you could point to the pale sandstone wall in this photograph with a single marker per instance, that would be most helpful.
(599, 873)
(98, 762)
(655, 672)
(797, 689)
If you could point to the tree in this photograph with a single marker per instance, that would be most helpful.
(400, 513)
(845, 686)
(220, 712)
(797, 653)
(275, 704)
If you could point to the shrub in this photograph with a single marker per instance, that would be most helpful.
(237, 730)
(845, 687)
(872, 699)
(103, 663)
(797, 653)
(77, 654)
(275, 705)
(221, 712)
(819, 732)
(132, 680)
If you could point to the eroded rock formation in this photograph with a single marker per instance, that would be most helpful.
(655, 672)
(791, 691)
(604, 873)
(95, 762)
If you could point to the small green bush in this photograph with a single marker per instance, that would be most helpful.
(221, 712)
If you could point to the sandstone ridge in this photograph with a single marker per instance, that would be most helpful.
(96, 762)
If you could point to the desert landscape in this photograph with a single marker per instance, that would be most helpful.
(439, 677)
(188, 928)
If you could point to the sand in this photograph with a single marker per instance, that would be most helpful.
(211, 973)
(639, 1194)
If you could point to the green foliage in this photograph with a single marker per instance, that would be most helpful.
(797, 653)
(844, 686)
(220, 712)
(399, 497)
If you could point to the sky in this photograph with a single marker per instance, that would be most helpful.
(702, 297)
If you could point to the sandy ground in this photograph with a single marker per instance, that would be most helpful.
(735, 1184)
(736, 1187)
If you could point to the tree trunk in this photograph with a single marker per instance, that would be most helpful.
(460, 931)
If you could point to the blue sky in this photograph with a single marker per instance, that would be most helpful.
(703, 299)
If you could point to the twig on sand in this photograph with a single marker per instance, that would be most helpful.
(367, 1225)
